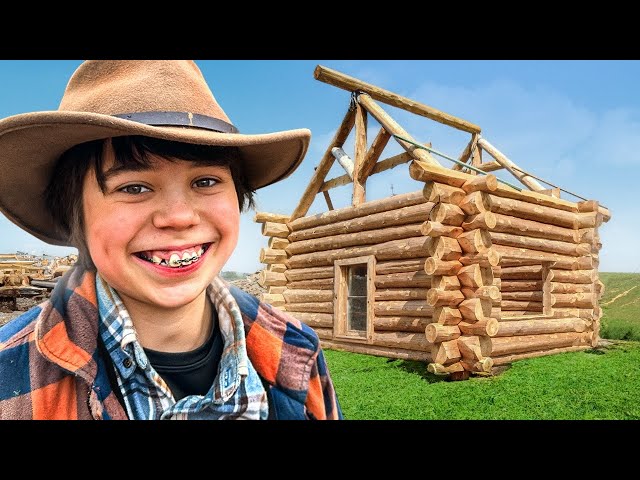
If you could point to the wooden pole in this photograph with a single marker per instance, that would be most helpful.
(436, 229)
(527, 272)
(529, 211)
(322, 320)
(516, 305)
(351, 84)
(278, 243)
(303, 296)
(314, 307)
(403, 279)
(530, 182)
(375, 150)
(389, 218)
(561, 261)
(475, 241)
(267, 279)
(475, 276)
(490, 258)
(445, 282)
(496, 346)
(441, 333)
(485, 183)
(382, 166)
(476, 202)
(446, 353)
(367, 237)
(447, 214)
(469, 347)
(435, 266)
(441, 192)
(393, 250)
(324, 166)
(400, 294)
(401, 324)
(388, 352)
(530, 228)
(270, 255)
(394, 128)
(312, 284)
(392, 308)
(347, 213)
(272, 229)
(277, 267)
(441, 298)
(447, 316)
(263, 217)
(543, 244)
(474, 309)
(484, 221)
(439, 369)
(466, 153)
(359, 182)
(426, 172)
(486, 326)
(446, 248)
(294, 275)
(400, 266)
(539, 326)
(556, 287)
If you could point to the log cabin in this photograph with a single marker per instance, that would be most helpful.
(469, 273)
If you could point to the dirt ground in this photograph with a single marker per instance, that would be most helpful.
(249, 284)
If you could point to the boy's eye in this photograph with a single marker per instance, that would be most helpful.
(134, 189)
(205, 182)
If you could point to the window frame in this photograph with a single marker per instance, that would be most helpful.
(340, 299)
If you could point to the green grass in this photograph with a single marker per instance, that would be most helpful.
(592, 384)
(602, 383)
(620, 319)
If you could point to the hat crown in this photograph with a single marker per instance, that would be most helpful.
(114, 87)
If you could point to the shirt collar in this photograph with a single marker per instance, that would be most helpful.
(119, 336)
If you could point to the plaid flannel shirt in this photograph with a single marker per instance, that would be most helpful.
(51, 367)
(237, 392)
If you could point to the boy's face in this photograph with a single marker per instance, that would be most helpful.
(159, 235)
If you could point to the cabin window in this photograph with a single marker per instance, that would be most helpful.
(525, 289)
(353, 298)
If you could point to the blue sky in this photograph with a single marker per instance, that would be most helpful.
(574, 123)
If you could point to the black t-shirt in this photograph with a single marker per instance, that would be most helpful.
(193, 372)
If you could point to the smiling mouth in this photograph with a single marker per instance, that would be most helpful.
(174, 259)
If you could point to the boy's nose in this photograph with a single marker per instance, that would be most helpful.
(176, 212)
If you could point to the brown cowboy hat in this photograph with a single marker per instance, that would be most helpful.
(166, 99)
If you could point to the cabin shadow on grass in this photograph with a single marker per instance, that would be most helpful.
(417, 368)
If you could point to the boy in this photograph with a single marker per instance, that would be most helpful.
(143, 172)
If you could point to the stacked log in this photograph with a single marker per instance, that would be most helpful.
(274, 227)
(462, 282)
(545, 273)
(388, 229)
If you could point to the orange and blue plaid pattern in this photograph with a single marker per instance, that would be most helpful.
(51, 368)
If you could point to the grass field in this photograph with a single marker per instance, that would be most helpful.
(602, 383)
(620, 306)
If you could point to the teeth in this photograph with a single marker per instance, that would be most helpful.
(174, 260)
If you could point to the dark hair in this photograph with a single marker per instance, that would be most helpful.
(64, 191)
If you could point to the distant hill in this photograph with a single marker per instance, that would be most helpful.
(231, 276)
(620, 306)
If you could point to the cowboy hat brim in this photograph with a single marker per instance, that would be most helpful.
(30, 144)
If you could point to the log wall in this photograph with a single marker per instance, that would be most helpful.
(469, 273)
